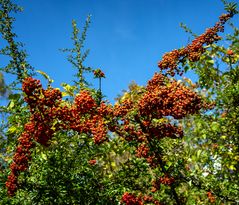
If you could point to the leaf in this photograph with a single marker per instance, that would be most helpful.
(14, 96)
(10, 105)
(43, 156)
(69, 89)
(199, 153)
(215, 126)
(232, 167)
(47, 77)
(210, 62)
(186, 68)
(113, 164)
(12, 130)
(64, 94)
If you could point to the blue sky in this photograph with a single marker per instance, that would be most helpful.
(126, 37)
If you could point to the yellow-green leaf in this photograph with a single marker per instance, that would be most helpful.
(47, 77)
(12, 130)
(10, 105)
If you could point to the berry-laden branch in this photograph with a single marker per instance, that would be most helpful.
(164, 97)
(48, 115)
(193, 51)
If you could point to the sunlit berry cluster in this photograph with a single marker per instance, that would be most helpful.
(123, 108)
(21, 158)
(154, 115)
(49, 115)
(42, 103)
(168, 98)
(194, 50)
(38, 128)
(84, 102)
(161, 105)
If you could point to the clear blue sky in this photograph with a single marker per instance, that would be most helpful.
(126, 37)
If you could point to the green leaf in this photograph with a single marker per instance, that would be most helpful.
(14, 96)
(215, 126)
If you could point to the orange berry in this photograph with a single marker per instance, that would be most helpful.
(230, 52)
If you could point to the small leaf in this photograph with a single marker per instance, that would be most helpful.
(14, 96)
(215, 126)
(199, 153)
(210, 62)
(43, 156)
(69, 89)
(47, 77)
(10, 105)
(12, 130)
(232, 167)
(64, 94)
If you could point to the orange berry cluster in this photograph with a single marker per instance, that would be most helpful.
(131, 199)
(163, 102)
(21, 158)
(142, 150)
(211, 198)
(49, 115)
(194, 50)
(165, 98)
(98, 73)
(42, 103)
(92, 162)
(166, 180)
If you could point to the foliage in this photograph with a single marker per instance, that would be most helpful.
(77, 57)
(215, 134)
(17, 65)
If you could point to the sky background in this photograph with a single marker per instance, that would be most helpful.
(126, 38)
